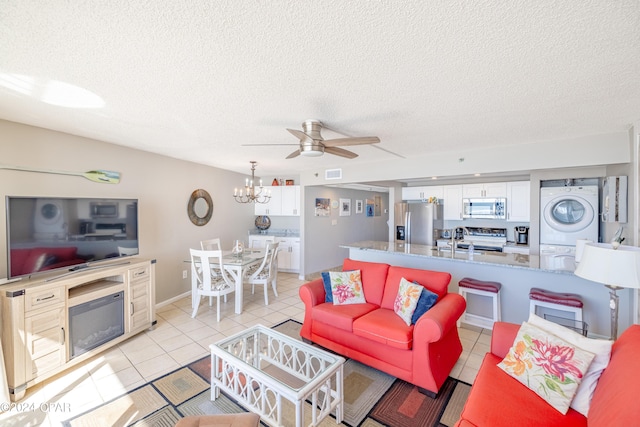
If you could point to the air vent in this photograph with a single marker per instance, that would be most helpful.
(333, 174)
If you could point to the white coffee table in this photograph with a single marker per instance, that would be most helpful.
(260, 366)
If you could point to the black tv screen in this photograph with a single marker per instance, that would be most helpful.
(51, 233)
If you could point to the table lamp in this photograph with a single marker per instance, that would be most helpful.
(614, 265)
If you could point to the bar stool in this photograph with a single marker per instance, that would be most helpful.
(484, 289)
(556, 300)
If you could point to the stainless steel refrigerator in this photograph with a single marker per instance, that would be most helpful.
(416, 222)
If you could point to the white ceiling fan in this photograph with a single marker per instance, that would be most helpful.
(312, 144)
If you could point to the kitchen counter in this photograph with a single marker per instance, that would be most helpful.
(275, 233)
(517, 273)
(515, 260)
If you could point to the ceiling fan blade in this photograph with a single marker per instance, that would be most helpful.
(340, 152)
(300, 135)
(262, 145)
(351, 141)
(294, 154)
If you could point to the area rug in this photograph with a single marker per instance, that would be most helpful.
(371, 399)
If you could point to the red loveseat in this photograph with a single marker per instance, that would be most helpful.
(498, 400)
(372, 333)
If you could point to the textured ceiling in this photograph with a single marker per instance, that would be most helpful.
(196, 79)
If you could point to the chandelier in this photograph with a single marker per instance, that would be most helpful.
(250, 193)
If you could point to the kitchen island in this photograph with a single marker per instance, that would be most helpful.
(518, 274)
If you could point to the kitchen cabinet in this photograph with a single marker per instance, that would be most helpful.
(422, 192)
(285, 201)
(290, 200)
(260, 241)
(289, 254)
(523, 250)
(491, 189)
(452, 195)
(519, 201)
(274, 205)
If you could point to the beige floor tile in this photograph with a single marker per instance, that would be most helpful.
(189, 353)
(158, 366)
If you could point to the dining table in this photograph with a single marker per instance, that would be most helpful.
(236, 266)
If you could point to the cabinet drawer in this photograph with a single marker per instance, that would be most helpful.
(43, 298)
(139, 273)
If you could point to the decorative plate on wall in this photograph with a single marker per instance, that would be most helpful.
(263, 222)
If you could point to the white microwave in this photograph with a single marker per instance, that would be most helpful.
(486, 208)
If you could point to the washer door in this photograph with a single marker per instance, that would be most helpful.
(568, 213)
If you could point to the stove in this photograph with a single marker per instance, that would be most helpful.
(484, 239)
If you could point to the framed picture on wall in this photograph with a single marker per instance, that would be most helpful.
(345, 207)
(370, 207)
(322, 207)
(359, 206)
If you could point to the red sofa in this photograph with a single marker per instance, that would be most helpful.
(372, 333)
(497, 400)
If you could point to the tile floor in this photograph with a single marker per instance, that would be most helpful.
(177, 340)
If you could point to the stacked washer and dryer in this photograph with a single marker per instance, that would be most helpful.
(566, 215)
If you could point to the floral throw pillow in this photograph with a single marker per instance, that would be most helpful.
(407, 300)
(547, 365)
(346, 287)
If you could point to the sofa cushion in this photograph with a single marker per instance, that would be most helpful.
(425, 302)
(435, 281)
(340, 316)
(601, 348)
(407, 300)
(346, 287)
(386, 327)
(615, 400)
(551, 367)
(497, 400)
(373, 275)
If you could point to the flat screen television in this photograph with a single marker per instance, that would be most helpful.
(54, 233)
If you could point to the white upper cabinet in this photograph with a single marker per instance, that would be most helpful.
(519, 201)
(491, 189)
(422, 192)
(285, 201)
(290, 200)
(452, 195)
(273, 206)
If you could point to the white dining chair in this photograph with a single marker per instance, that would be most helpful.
(265, 273)
(209, 285)
(212, 245)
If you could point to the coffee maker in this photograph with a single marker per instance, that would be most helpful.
(521, 234)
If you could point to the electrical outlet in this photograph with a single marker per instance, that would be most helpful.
(184, 274)
(334, 222)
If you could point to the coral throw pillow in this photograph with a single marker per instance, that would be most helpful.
(547, 365)
(346, 287)
(407, 300)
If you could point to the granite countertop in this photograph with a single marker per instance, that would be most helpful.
(275, 232)
(498, 258)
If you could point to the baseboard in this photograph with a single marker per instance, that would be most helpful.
(172, 300)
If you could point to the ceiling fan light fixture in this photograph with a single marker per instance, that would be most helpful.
(312, 151)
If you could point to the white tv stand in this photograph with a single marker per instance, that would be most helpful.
(35, 317)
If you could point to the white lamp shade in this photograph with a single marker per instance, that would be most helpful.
(617, 267)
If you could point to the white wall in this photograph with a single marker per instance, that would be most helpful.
(163, 186)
